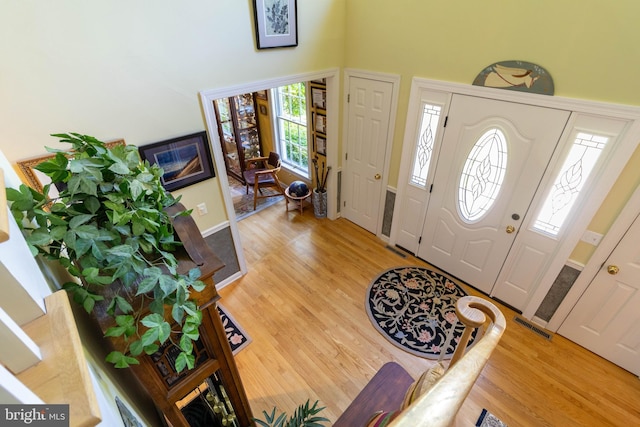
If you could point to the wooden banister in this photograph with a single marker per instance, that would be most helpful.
(439, 406)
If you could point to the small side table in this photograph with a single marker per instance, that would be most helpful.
(298, 200)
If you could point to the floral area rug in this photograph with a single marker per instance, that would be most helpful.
(414, 308)
(237, 337)
(243, 204)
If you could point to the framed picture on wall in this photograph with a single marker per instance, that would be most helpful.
(276, 23)
(321, 145)
(320, 123)
(185, 160)
(319, 97)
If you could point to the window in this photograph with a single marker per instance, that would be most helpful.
(290, 104)
(582, 158)
(424, 144)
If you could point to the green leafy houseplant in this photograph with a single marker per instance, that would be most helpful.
(109, 224)
(303, 416)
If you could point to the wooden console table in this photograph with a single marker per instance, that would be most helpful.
(213, 354)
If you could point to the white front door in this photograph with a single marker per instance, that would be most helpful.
(369, 116)
(493, 156)
(606, 319)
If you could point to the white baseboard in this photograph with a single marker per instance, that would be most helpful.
(214, 230)
(229, 280)
(574, 264)
(540, 322)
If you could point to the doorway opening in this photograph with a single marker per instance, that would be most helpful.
(208, 97)
(289, 120)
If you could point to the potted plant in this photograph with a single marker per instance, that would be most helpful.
(303, 416)
(107, 225)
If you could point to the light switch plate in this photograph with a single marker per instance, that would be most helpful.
(591, 237)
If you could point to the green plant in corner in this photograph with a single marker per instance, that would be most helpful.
(109, 224)
(303, 416)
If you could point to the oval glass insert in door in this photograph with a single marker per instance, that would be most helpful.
(482, 175)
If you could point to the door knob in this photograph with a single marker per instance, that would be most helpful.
(377, 176)
(510, 229)
(613, 269)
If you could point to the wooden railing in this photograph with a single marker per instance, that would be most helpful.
(439, 406)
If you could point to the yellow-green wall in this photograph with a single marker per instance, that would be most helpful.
(133, 69)
(588, 46)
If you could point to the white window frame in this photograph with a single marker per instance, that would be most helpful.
(287, 163)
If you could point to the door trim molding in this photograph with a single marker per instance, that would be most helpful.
(611, 239)
(394, 80)
(617, 160)
(629, 112)
(206, 100)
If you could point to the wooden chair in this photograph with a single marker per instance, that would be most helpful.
(437, 405)
(262, 172)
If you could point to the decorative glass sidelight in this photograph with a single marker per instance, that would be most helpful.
(424, 145)
(482, 175)
(577, 166)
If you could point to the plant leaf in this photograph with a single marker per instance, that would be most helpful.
(198, 286)
(159, 330)
(168, 284)
(135, 349)
(119, 167)
(186, 344)
(123, 304)
(78, 220)
(184, 360)
(120, 360)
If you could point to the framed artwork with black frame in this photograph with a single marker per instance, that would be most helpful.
(321, 145)
(319, 97)
(276, 23)
(185, 160)
(320, 122)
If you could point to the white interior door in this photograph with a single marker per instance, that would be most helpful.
(369, 115)
(606, 319)
(493, 156)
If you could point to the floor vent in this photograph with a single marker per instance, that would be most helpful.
(397, 252)
(544, 334)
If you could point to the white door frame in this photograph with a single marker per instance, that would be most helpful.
(394, 80)
(206, 99)
(610, 240)
(618, 159)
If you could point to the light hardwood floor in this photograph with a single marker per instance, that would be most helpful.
(302, 302)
